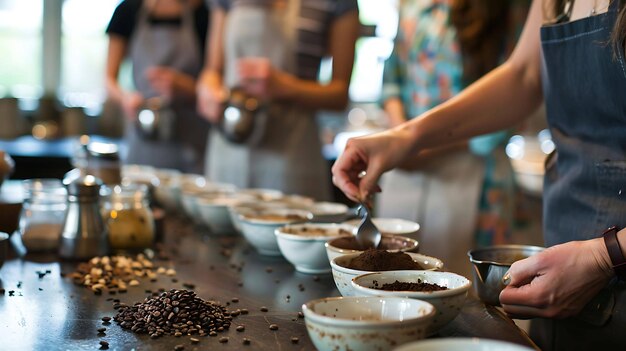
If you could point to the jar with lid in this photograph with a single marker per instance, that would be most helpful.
(103, 161)
(43, 214)
(129, 219)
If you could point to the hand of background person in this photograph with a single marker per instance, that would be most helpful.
(557, 282)
(260, 79)
(169, 82)
(374, 154)
(211, 96)
(131, 101)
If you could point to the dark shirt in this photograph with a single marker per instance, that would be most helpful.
(126, 14)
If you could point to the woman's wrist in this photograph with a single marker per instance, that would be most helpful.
(601, 256)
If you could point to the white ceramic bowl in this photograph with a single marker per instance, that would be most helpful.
(461, 344)
(262, 194)
(214, 211)
(338, 246)
(303, 244)
(167, 193)
(328, 208)
(392, 226)
(366, 323)
(343, 276)
(448, 303)
(260, 231)
(247, 208)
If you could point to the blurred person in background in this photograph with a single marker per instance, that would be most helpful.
(442, 46)
(164, 40)
(272, 50)
(570, 55)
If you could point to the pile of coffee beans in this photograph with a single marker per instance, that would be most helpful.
(116, 273)
(174, 312)
(410, 286)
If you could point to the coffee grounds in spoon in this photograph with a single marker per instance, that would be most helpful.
(410, 286)
(382, 260)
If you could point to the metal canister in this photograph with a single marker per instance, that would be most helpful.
(84, 234)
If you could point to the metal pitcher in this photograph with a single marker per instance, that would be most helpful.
(240, 117)
(155, 119)
(84, 234)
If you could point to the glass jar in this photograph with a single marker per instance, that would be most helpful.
(43, 214)
(128, 217)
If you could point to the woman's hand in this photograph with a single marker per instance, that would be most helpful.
(211, 95)
(365, 159)
(169, 82)
(557, 282)
(260, 79)
(131, 101)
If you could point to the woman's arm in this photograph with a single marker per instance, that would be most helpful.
(499, 100)
(130, 101)
(210, 90)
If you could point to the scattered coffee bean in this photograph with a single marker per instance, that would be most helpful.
(104, 344)
(174, 280)
(189, 286)
(273, 326)
(243, 311)
(240, 328)
(179, 347)
(264, 309)
(294, 340)
(106, 319)
(300, 315)
(101, 330)
(40, 289)
(234, 299)
(194, 340)
(224, 339)
(246, 341)
(212, 333)
(178, 334)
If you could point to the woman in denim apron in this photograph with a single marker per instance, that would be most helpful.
(581, 74)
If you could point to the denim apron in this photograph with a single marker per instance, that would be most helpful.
(285, 153)
(174, 47)
(585, 184)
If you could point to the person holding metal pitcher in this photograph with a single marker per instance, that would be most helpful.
(271, 50)
(164, 40)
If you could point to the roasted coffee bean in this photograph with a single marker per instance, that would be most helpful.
(104, 344)
(246, 341)
(101, 330)
(106, 319)
(224, 339)
(240, 328)
(179, 347)
(244, 311)
(264, 309)
(294, 340)
(194, 340)
(189, 285)
(273, 326)
(235, 299)
(212, 333)
(178, 334)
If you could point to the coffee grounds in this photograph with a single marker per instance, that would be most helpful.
(172, 312)
(410, 286)
(382, 260)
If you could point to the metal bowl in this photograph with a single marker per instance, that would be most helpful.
(491, 263)
(4, 247)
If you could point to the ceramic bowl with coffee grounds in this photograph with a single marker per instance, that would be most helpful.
(366, 323)
(303, 244)
(461, 344)
(420, 285)
(343, 275)
(258, 228)
(348, 245)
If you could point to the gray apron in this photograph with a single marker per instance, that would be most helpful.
(285, 153)
(174, 47)
(443, 198)
(585, 186)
